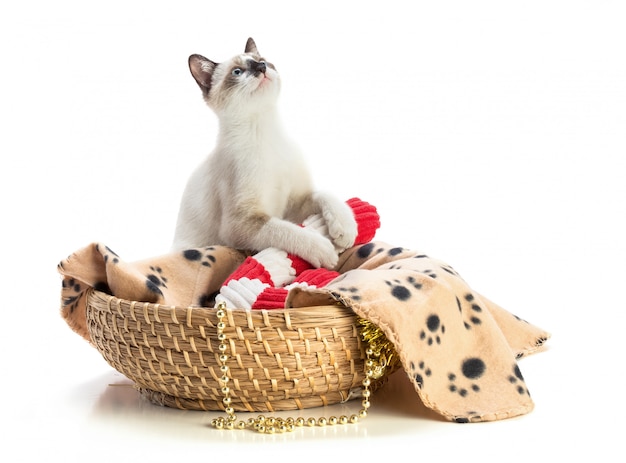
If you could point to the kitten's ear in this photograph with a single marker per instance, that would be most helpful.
(251, 47)
(202, 70)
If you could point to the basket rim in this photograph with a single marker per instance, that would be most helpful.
(93, 292)
(294, 318)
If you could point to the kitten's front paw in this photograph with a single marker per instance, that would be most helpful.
(342, 228)
(320, 252)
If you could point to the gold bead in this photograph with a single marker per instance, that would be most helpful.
(219, 424)
(343, 419)
(366, 404)
(367, 382)
(241, 425)
(282, 428)
(270, 429)
(261, 428)
(229, 410)
(230, 425)
(270, 421)
(299, 421)
(225, 390)
(354, 419)
(221, 326)
(221, 337)
(311, 421)
(362, 413)
(290, 427)
(260, 418)
(222, 347)
(333, 420)
(224, 368)
(366, 393)
(220, 313)
(223, 358)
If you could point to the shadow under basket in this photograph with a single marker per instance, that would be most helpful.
(278, 359)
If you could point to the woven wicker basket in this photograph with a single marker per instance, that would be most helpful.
(279, 359)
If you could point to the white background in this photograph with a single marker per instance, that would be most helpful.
(488, 134)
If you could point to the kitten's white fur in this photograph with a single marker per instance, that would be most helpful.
(254, 189)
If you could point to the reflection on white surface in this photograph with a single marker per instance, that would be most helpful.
(118, 403)
(108, 409)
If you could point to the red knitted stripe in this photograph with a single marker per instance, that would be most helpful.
(271, 298)
(298, 263)
(251, 268)
(318, 277)
(367, 220)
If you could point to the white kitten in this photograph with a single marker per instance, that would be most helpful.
(254, 189)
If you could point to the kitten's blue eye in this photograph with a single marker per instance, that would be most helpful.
(236, 72)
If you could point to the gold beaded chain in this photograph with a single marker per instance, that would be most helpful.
(375, 367)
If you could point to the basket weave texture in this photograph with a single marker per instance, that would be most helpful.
(278, 359)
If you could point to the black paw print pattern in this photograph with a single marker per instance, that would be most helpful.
(420, 372)
(155, 281)
(75, 289)
(203, 255)
(371, 249)
(450, 270)
(517, 380)
(395, 251)
(402, 290)
(367, 250)
(429, 272)
(474, 312)
(471, 369)
(445, 267)
(434, 330)
(352, 290)
(108, 255)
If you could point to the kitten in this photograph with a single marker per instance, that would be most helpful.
(254, 189)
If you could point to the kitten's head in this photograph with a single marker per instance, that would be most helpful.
(246, 82)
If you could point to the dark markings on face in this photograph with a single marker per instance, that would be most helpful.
(240, 70)
(231, 73)
(253, 65)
